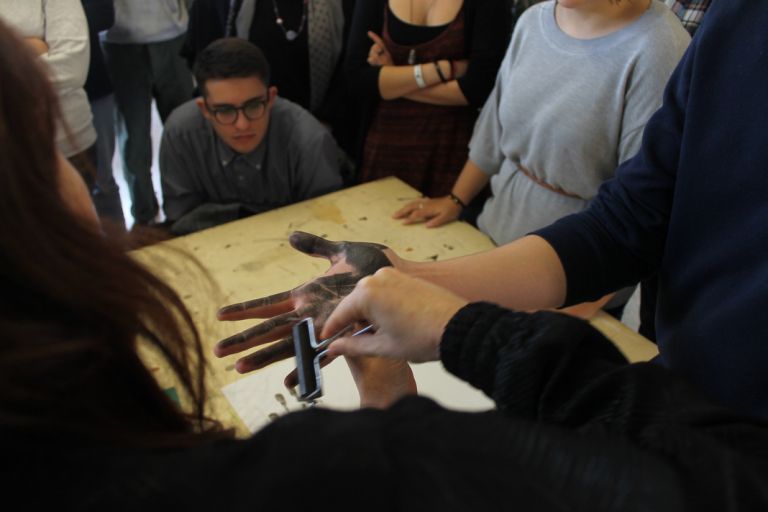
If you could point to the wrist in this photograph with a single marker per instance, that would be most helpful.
(457, 200)
(418, 76)
(439, 70)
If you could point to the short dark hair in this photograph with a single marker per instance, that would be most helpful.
(230, 57)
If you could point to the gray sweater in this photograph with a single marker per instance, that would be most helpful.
(569, 111)
(206, 183)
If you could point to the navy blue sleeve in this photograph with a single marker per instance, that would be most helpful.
(619, 239)
(551, 369)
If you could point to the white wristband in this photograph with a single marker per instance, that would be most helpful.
(419, 76)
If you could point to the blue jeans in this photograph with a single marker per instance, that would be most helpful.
(141, 72)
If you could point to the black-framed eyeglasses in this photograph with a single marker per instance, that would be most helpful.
(252, 109)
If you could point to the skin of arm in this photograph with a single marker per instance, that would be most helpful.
(398, 81)
(525, 274)
(442, 210)
(38, 45)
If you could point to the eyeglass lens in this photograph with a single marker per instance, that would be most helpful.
(252, 110)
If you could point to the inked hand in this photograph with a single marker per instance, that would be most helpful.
(350, 262)
(435, 212)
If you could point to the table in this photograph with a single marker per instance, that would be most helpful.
(252, 258)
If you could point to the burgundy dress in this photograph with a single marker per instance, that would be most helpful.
(424, 145)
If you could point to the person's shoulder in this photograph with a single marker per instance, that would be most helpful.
(534, 12)
(664, 27)
(657, 41)
(185, 119)
(294, 121)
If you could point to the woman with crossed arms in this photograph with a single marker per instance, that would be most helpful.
(578, 83)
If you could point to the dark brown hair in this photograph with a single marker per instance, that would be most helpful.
(230, 57)
(72, 304)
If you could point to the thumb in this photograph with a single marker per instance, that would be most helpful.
(363, 345)
(313, 245)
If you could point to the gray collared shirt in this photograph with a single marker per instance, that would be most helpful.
(202, 177)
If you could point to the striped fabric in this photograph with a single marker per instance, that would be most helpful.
(690, 12)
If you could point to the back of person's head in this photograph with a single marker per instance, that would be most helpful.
(73, 304)
(230, 58)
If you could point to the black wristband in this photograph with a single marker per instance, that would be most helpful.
(440, 72)
(456, 200)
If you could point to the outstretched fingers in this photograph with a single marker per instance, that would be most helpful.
(263, 357)
(267, 331)
(263, 307)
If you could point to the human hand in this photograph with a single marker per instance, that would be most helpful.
(409, 314)
(381, 381)
(378, 55)
(350, 262)
(38, 45)
(460, 68)
(436, 212)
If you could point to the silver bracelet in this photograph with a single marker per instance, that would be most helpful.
(419, 76)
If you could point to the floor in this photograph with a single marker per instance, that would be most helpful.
(117, 170)
(630, 318)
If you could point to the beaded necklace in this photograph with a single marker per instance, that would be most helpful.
(290, 34)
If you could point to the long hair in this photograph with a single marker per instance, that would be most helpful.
(73, 305)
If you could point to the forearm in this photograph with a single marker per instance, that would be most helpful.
(37, 45)
(530, 364)
(470, 182)
(399, 81)
(524, 274)
(448, 93)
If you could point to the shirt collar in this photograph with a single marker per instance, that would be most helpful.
(227, 155)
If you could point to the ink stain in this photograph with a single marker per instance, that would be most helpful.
(409, 249)
(228, 246)
(327, 211)
(433, 257)
(363, 218)
(449, 247)
(187, 296)
(281, 400)
(273, 416)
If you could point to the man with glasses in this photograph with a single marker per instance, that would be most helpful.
(239, 149)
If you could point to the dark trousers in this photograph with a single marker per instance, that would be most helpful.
(141, 72)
